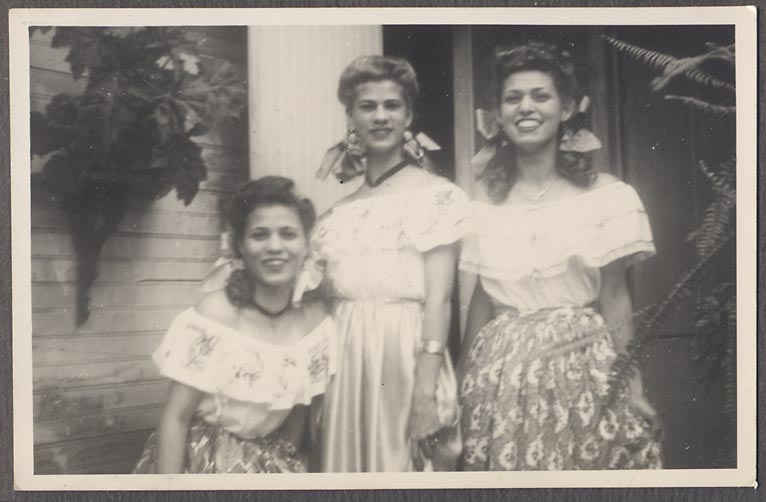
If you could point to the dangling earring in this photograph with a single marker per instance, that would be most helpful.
(412, 148)
(352, 143)
(350, 137)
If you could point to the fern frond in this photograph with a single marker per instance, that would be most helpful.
(714, 227)
(691, 68)
(626, 365)
(673, 67)
(713, 112)
(656, 60)
(718, 216)
(680, 290)
(712, 46)
(723, 181)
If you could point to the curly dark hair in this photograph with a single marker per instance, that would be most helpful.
(266, 191)
(501, 171)
(376, 69)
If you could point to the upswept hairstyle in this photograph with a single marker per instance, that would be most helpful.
(266, 191)
(501, 171)
(376, 69)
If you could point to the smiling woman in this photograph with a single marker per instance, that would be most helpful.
(551, 243)
(248, 368)
(97, 394)
(532, 110)
(390, 252)
(380, 116)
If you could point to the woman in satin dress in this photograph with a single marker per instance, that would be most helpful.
(389, 251)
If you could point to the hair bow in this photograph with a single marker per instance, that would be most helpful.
(575, 139)
(346, 159)
(308, 279)
(222, 268)
(581, 141)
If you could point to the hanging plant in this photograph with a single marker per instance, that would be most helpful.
(129, 135)
(707, 83)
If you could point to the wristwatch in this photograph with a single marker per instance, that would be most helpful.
(432, 347)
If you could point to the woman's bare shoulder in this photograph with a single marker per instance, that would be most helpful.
(216, 306)
(316, 312)
(604, 179)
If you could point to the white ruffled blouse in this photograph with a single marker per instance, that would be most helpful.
(548, 255)
(373, 248)
(250, 385)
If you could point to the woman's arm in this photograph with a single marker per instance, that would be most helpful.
(440, 274)
(480, 312)
(174, 428)
(617, 308)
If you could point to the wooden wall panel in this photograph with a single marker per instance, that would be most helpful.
(104, 455)
(103, 320)
(47, 268)
(57, 294)
(97, 394)
(97, 425)
(89, 400)
(100, 373)
(127, 244)
(97, 347)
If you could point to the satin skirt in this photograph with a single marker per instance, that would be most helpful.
(367, 406)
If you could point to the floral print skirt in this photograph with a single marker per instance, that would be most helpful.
(211, 449)
(534, 397)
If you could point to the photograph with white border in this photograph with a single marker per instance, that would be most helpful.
(368, 246)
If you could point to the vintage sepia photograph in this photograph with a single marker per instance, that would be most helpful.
(373, 246)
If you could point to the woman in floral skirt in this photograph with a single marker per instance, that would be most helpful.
(248, 369)
(551, 244)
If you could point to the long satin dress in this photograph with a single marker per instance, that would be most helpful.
(373, 249)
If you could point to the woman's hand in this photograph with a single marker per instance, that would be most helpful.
(617, 309)
(439, 264)
(642, 407)
(424, 416)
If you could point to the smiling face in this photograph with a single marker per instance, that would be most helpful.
(380, 116)
(531, 110)
(274, 245)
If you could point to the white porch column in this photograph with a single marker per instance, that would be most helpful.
(295, 115)
(462, 61)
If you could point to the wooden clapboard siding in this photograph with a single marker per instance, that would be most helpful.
(140, 418)
(64, 376)
(97, 394)
(76, 349)
(104, 455)
(53, 322)
(47, 268)
(132, 244)
(52, 295)
(51, 403)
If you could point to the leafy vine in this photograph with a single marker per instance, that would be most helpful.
(129, 135)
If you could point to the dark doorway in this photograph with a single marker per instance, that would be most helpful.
(429, 50)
